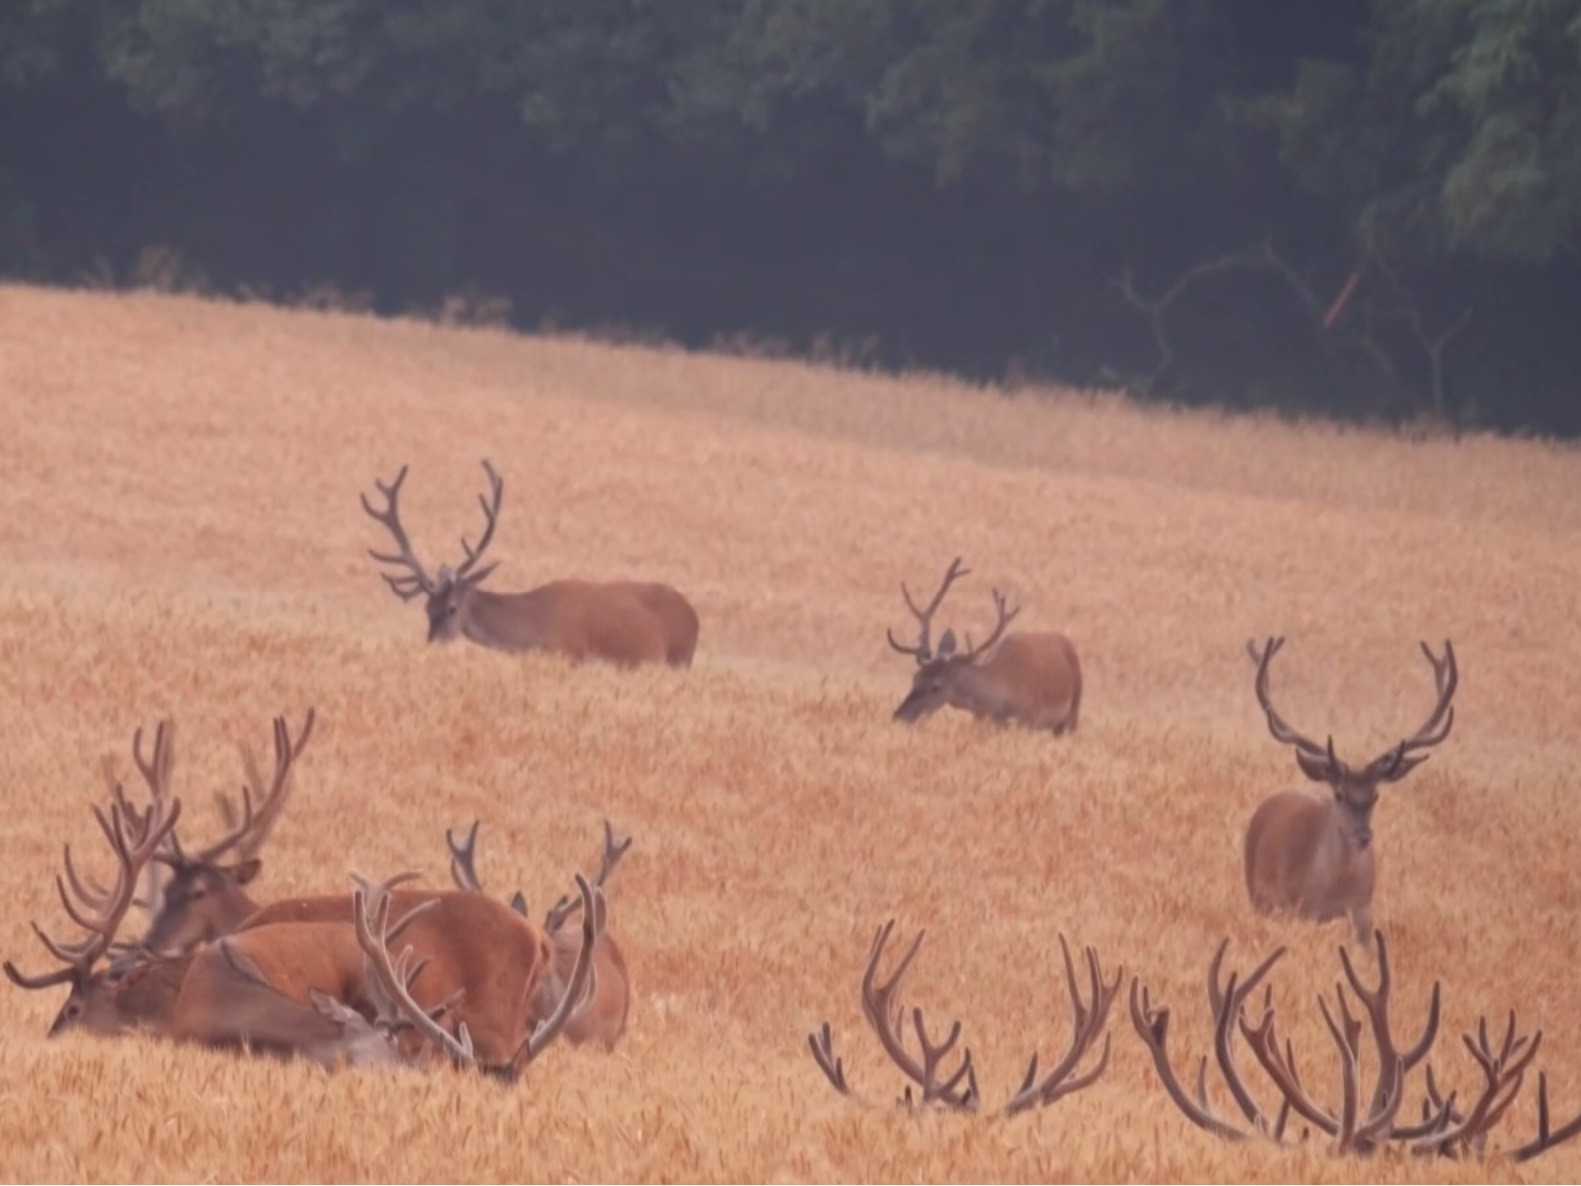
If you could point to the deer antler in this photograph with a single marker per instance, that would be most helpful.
(491, 514)
(1309, 753)
(393, 977)
(1546, 1137)
(1091, 1019)
(958, 1091)
(417, 579)
(1152, 1026)
(134, 838)
(566, 906)
(250, 834)
(577, 987)
(1503, 1073)
(463, 871)
(1003, 618)
(1396, 763)
(923, 651)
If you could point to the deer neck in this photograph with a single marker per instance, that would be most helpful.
(975, 690)
(147, 994)
(1350, 865)
(513, 621)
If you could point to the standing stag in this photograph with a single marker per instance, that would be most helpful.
(1314, 856)
(625, 622)
(1033, 679)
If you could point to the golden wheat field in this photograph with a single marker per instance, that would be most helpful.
(181, 536)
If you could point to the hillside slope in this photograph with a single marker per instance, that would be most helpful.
(182, 537)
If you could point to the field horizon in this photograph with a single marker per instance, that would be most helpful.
(184, 540)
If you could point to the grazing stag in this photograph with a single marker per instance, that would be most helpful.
(625, 622)
(1314, 856)
(957, 1089)
(1445, 1127)
(1033, 679)
(201, 898)
(602, 1017)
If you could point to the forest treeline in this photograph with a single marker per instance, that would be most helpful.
(1366, 209)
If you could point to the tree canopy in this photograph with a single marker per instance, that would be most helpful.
(1362, 208)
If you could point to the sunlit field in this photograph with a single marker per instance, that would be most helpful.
(182, 537)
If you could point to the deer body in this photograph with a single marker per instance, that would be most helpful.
(624, 622)
(1032, 678)
(1302, 855)
(1313, 856)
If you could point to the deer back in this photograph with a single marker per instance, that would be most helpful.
(1039, 676)
(471, 943)
(620, 621)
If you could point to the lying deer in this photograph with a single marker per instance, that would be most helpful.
(283, 981)
(1033, 679)
(955, 1088)
(625, 622)
(602, 1017)
(1314, 856)
(199, 898)
(1449, 1126)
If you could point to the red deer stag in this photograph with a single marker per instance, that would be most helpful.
(625, 622)
(200, 898)
(1445, 1127)
(602, 1018)
(304, 987)
(1033, 679)
(956, 1089)
(1315, 856)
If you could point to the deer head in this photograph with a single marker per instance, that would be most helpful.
(203, 898)
(1356, 789)
(446, 592)
(96, 1001)
(941, 673)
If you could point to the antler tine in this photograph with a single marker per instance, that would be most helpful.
(1089, 1019)
(1393, 1066)
(1547, 1137)
(417, 581)
(1277, 725)
(880, 1007)
(1003, 618)
(575, 989)
(1152, 1026)
(392, 978)
(1503, 1072)
(923, 651)
(250, 835)
(101, 916)
(1396, 763)
(491, 514)
(463, 870)
(821, 1043)
(567, 906)
(1263, 1038)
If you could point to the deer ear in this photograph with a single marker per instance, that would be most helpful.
(946, 645)
(245, 871)
(1315, 766)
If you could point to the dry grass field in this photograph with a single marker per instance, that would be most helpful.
(181, 535)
